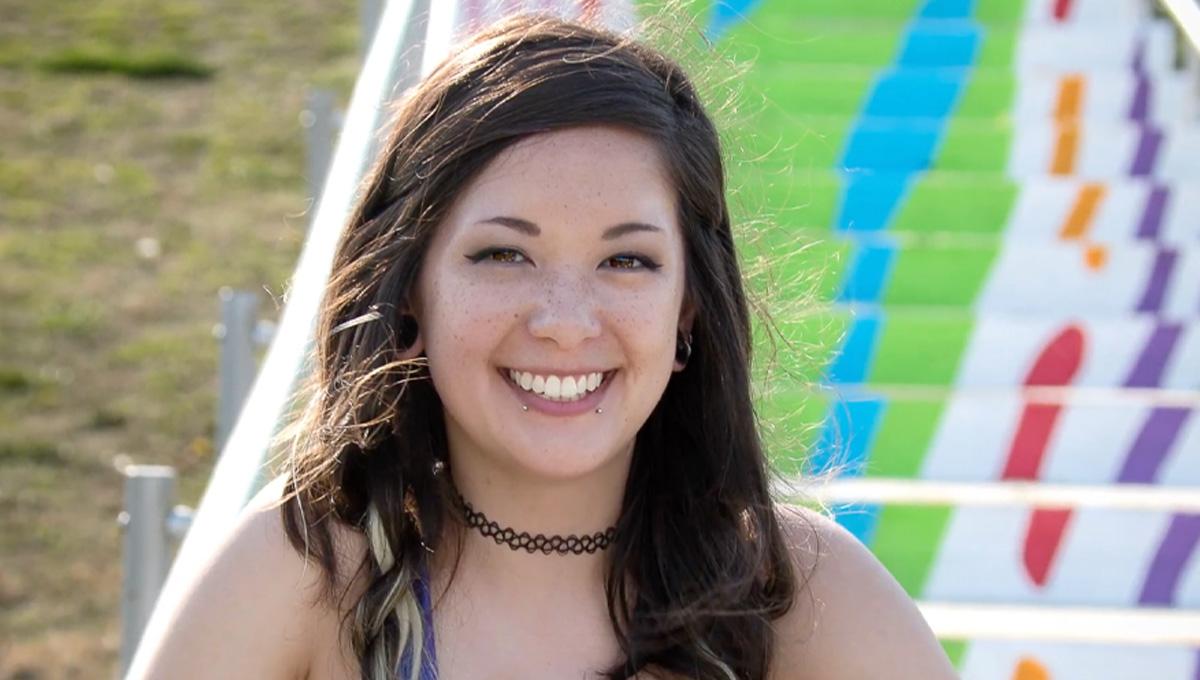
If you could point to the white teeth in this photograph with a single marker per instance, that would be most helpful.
(555, 388)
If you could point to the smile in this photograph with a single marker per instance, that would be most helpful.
(560, 388)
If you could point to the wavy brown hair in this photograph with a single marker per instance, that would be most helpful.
(699, 568)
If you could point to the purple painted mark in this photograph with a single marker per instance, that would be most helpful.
(1156, 287)
(1148, 370)
(1167, 567)
(1146, 155)
(1152, 214)
(1155, 440)
(1139, 108)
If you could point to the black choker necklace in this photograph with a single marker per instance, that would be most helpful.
(563, 545)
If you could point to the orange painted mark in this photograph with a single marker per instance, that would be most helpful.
(1079, 220)
(1095, 257)
(1029, 669)
(1065, 149)
(1070, 98)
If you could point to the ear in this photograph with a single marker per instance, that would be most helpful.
(409, 336)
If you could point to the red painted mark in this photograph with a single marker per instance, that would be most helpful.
(1062, 10)
(1057, 365)
(591, 9)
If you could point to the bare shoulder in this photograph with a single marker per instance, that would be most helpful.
(249, 611)
(851, 619)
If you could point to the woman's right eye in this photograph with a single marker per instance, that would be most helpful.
(499, 255)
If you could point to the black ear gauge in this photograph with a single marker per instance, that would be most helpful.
(407, 330)
(683, 347)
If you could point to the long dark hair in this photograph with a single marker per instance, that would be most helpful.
(699, 568)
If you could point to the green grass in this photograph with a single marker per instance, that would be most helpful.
(173, 121)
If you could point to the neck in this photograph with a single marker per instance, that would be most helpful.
(580, 507)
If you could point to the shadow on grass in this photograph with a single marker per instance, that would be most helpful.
(144, 65)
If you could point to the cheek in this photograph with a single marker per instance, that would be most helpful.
(463, 318)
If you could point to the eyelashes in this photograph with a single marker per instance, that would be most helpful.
(621, 261)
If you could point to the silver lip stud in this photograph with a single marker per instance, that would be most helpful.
(524, 407)
(599, 411)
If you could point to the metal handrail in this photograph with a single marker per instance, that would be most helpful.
(389, 67)
(1186, 15)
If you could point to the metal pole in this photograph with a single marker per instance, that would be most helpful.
(149, 493)
(239, 312)
(320, 121)
(368, 20)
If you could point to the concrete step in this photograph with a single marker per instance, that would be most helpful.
(1027, 544)
(1017, 278)
(919, 350)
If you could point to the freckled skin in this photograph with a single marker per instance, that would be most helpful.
(561, 299)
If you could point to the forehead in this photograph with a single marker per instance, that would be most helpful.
(578, 177)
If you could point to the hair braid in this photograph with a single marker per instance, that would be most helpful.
(388, 626)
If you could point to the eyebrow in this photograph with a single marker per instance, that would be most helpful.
(531, 229)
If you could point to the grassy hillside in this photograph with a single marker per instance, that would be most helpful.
(151, 154)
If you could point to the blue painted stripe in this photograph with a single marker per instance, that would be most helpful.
(727, 13)
(846, 435)
(860, 519)
(903, 120)
(853, 364)
(948, 9)
(868, 275)
(870, 199)
(939, 44)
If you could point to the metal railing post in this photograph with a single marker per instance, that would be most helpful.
(237, 366)
(320, 121)
(368, 21)
(149, 495)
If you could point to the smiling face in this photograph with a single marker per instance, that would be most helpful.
(555, 282)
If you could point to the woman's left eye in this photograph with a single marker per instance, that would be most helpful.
(626, 261)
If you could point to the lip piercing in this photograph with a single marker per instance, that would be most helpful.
(526, 409)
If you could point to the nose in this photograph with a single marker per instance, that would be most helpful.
(566, 312)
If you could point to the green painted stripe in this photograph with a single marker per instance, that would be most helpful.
(903, 438)
(955, 650)
(999, 12)
(989, 93)
(783, 38)
(939, 276)
(939, 202)
(906, 541)
(791, 424)
(802, 89)
(958, 203)
(972, 144)
(782, 141)
(921, 348)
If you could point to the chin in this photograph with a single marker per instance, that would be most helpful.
(565, 463)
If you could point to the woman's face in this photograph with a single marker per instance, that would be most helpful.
(559, 267)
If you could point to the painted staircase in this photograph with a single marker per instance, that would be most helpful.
(1005, 196)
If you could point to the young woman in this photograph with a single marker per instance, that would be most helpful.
(531, 450)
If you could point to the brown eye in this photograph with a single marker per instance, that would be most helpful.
(498, 255)
(631, 262)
